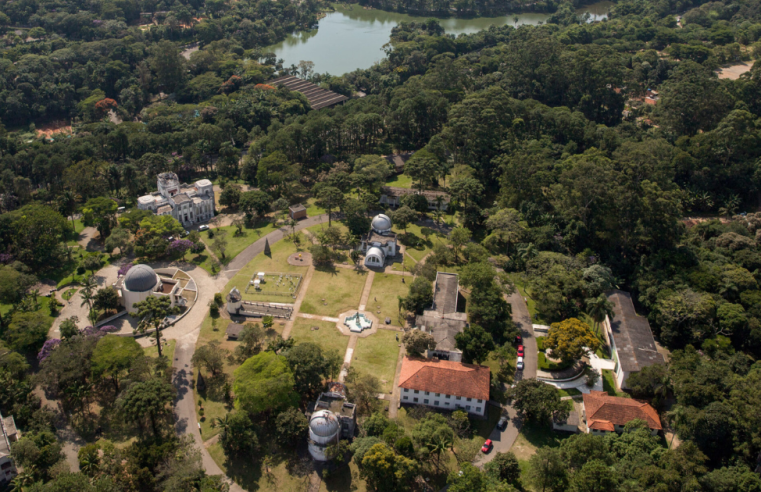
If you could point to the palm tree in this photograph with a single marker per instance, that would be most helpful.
(23, 480)
(439, 444)
(89, 283)
(598, 308)
(526, 252)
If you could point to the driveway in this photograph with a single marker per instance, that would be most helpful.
(504, 440)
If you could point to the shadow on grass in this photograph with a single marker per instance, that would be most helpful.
(542, 435)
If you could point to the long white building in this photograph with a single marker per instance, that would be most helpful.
(189, 204)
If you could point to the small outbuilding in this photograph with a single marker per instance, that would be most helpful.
(569, 424)
(297, 212)
(234, 330)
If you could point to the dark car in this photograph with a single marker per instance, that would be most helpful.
(502, 424)
(487, 446)
(518, 339)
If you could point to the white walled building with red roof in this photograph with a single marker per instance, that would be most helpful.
(444, 384)
(604, 413)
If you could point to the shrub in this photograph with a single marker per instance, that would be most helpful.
(214, 309)
(218, 299)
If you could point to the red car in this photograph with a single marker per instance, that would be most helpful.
(520, 350)
(487, 446)
(518, 339)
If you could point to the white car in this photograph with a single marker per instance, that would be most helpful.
(519, 365)
(203, 228)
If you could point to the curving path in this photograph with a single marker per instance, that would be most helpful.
(185, 411)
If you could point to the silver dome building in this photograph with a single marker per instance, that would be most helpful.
(380, 243)
(324, 431)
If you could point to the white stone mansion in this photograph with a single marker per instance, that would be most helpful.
(189, 204)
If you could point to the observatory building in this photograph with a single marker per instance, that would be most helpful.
(379, 243)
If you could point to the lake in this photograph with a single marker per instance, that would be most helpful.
(352, 37)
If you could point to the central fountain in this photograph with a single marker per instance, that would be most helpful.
(358, 322)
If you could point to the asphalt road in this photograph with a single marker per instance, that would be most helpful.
(504, 440)
(185, 411)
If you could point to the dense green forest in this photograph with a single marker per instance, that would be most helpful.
(554, 161)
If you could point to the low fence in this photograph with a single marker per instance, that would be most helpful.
(277, 277)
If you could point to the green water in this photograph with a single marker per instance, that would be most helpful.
(352, 37)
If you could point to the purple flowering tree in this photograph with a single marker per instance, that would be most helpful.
(179, 247)
(124, 269)
(48, 348)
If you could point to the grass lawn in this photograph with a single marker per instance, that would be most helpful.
(341, 288)
(344, 479)
(315, 229)
(278, 262)
(168, 350)
(386, 288)
(569, 392)
(312, 209)
(68, 294)
(424, 246)
(533, 436)
(327, 337)
(377, 355)
(399, 181)
(609, 384)
(236, 244)
(202, 259)
(548, 365)
(251, 474)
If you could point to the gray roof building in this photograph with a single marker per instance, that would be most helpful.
(443, 321)
(631, 336)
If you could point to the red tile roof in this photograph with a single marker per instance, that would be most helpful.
(446, 377)
(604, 411)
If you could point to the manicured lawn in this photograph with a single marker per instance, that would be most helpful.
(168, 350)
(609, 384)
(340, 288)
(327, 337)
(315, 229)
(548, 365)
(278, 262)
(236, 244)
(377, 355)
(569, 392)
(400, 181)
(424, 246)
(384, 293)
(312, 209)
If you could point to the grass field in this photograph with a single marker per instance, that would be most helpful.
(377, 355)
(386, 289)
(168, 350)
(327, 337)
(251, 474)
(533, 436)
(341, 288)
(569, 392)
(609, 384)
(236, 244)
(400, 181)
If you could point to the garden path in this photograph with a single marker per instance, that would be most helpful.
(366, 291)
(299, 299)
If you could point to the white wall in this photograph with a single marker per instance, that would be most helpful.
(446, 402)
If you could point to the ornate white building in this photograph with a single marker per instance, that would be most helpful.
(379, 243)
(141, 281)
(189, 204)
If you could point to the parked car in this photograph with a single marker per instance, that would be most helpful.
(185, 233)
(518, 339)
(502, 424)
(520, 350)
(487, 446)
(203, 228)
(519, 364)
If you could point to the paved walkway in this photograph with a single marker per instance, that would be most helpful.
(366, 291)
(393, 406)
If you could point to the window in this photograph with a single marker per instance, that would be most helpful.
(406, 390)
(467, 407)
(479, 401)
(448, 403)
(478, 409)
(459, 398)
(438, 394)
(470, 399)
(448, 396)
(415, 400)
(416, 392)
(406, 398)
(427, 393)
(436, 403)
(425, 401)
